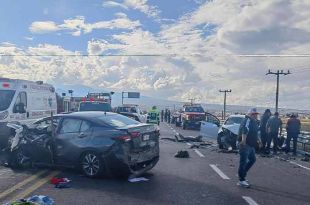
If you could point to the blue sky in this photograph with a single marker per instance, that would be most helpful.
(199, 43)
(17, 16)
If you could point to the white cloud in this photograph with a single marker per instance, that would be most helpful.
(111, 4)
(41, 27)
(142, 5)
(78, 26)
(29, 38)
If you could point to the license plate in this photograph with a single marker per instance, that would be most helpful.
(146, 137)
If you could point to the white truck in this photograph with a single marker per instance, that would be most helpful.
(24, 101)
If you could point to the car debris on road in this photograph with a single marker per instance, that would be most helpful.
(182, 154)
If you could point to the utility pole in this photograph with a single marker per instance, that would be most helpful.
(192, 100)
(225, 91)
(278, 73)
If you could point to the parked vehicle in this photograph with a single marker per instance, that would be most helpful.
(191, 116)
(94, 106)
(95, 142)
(96, 102)
(132, 111)
(24, 101)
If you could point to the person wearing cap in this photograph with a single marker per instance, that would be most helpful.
(293, 129)
(262, 128)
(248, 137)
(274, 124)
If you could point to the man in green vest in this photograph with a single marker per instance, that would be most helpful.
(153, 116)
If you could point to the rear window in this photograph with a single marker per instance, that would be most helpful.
(118, 120)
(194, 109)
(95, 106)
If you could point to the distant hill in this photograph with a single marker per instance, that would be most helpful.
(146, 102)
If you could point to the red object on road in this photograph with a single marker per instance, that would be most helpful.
(56, 181)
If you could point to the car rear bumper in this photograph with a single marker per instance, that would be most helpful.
(134, 163)
(193, 124)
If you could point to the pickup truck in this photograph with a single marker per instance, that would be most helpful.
(190, 117)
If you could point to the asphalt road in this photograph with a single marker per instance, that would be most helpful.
(207, 177)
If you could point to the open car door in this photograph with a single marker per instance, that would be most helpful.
(210, 127)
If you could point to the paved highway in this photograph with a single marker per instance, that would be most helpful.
(207, 177)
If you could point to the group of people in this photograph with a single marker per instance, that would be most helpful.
(166, 115)
(271, 131)
(270, 128)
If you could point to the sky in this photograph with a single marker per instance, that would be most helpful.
(168, 49)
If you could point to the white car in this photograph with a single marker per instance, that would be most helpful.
(132, 111)
(226, 135)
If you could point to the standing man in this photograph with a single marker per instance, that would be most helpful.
(248, 137)
(162, 115)
(263, 132)
(273, 125)
(169, 116)
(166, 115)
(293, 129)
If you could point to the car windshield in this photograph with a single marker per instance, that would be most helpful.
(95, 106)
(6, 97)
(127, 109)
(233, 120)
(194, 109)
(117, 120)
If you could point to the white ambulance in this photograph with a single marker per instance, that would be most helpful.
(24, 101)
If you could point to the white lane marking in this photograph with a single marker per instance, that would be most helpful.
(295, 163)
(218, 171)
(249, 200)
(199, 153)
(189, 144)
(307, 168)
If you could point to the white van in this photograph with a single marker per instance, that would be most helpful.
(24, 101)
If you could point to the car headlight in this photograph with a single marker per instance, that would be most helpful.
(4, 115)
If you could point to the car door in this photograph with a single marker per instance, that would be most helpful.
(71, 138)
(210, 127)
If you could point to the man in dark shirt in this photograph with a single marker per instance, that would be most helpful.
(248, 137)
(293, 129)
(263, 132)
(274, 125)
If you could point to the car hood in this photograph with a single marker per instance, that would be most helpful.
(234, 128)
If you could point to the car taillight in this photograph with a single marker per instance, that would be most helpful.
(6, 85)
(124, 138)
(128, 137)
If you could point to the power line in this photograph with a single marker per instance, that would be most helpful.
(278, 73)
(225, 91)
(158, 55)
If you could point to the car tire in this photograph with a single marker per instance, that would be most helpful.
(91, 164)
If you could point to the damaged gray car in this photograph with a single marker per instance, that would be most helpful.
(95, 142)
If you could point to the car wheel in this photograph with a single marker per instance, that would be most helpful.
(91, 164)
